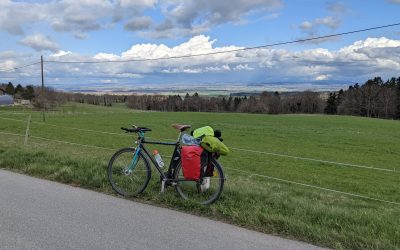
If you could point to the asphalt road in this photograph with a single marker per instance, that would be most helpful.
(39, 214)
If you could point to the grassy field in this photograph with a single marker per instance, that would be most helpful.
(250, 198)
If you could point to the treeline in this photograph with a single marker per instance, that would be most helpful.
(267, 103)
(101, 100)
(375, 98)
(19, 92)
(50, 99)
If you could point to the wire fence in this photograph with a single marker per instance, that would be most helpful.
(233, 148)
(248, 174)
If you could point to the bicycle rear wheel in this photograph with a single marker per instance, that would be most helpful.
(200, 192)
(124, 179)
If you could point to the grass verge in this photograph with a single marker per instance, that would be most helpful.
(323, 218)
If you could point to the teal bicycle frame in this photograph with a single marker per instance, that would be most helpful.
(141, 148)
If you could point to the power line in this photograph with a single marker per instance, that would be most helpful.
(234, 50)
(20, 67)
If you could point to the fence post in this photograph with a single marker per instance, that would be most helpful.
(27, 131)
(43, 92)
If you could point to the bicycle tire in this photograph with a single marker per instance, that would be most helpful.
(189, 190)
(128, 184)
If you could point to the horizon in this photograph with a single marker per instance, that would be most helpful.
(205, 89)
(107, 31)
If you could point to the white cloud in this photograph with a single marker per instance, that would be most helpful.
(221, 68)
(337, 7)
(192, 17)
(7, 64)
(181, 17)
(136, 3)
(138, 23)
(329, 21)
(312, 27)
(39, 42)
(77, 17)
(314, 62)
(306, 25)
(106, 56)
(322, 77)
(362, 59)
(197, 45)
(130, 75)
(61, 53)
(109, 81)
(243, 67)
(80, 35)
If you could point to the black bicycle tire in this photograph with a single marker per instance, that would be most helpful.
(109, 172)
(218, 166)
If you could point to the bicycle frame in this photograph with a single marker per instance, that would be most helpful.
(140, 147)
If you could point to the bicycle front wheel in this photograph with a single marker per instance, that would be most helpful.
(126, 177)
(205, 192)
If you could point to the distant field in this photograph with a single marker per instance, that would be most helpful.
(251, 198)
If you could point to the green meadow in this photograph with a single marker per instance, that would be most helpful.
(329, 180)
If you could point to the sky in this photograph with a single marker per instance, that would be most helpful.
(119, 30)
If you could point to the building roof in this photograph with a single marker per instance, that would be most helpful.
(6, 100)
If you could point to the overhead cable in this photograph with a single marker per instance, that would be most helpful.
(16, 68)
(232, 50)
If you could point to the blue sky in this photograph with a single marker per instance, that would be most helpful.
(90, 30)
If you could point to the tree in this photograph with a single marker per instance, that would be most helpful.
(271, 102)
(28, 93)
(310, 102)
(350, 101)
(387, 99)
(369, 92)
(10, 89)
(331, 104)
(19, 89)
(398, 98)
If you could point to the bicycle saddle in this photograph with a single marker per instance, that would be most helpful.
(181, 127)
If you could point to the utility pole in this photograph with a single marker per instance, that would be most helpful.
(43, 97)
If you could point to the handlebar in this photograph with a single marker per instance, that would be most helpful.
(135, 129)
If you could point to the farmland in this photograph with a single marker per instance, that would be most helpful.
(283, 175)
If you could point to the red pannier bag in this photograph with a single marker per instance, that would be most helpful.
(191, 161)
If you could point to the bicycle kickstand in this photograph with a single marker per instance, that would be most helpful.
(163, 186)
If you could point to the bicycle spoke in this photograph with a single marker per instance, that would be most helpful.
(125, 180)
(200, 192)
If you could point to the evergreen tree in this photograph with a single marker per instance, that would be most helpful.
(28, 93)
(10, 89)
(331, 104)
(397, 98)
(19, 89)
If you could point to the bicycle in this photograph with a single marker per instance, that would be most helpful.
(129, 170)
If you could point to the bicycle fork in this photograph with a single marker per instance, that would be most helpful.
(134, 161)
